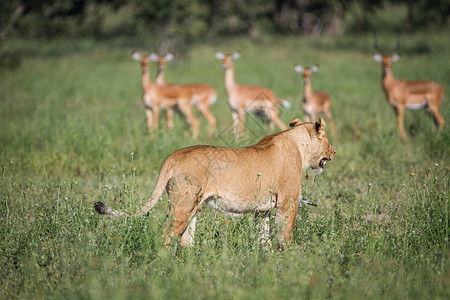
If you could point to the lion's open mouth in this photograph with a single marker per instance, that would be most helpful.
(318, 168)
(322, 162)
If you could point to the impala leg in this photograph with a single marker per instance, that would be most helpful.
(438, 119)
(279, 123)
(186, 109)
(327, 112)
(149, 114)
(204, 110)
(170, 118)
(400, 116)
(271, 126)
(235, 116)
(272, 114)
(155, 117)
(241, 123)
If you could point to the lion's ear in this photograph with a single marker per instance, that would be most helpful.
(295, 122)
(320, 126)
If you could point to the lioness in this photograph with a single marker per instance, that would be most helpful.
(235, 181)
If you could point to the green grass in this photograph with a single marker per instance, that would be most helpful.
(73, 127)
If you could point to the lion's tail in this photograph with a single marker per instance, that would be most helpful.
(165, 174)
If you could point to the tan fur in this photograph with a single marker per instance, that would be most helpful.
(316, 102)
(246, 98)
(203, 95)
(156, 97)
(236, 181)
(403, 94)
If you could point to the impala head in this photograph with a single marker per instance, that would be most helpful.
(144, 60)
(227, 60)
(306, 72)
(386, 60)
(162, 60)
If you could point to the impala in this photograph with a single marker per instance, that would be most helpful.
(156, 97)
(403, 94)
(247, 98)
(203, 95)
(317, 102)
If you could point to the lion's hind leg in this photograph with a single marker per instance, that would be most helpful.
(185, 197)
(187, 238)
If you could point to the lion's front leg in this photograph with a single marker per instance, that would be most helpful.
(264, 229)
(285, 220)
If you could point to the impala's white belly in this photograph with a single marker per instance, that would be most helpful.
(417, 105)
(414, 106)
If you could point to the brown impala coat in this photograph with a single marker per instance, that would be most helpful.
(402, 94)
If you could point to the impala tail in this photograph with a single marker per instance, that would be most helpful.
(286, 104)
(212, 98)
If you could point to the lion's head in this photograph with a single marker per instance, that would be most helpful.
(319, 149)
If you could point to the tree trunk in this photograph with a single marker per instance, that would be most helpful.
(5, 31)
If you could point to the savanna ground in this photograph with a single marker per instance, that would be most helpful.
(73, 132)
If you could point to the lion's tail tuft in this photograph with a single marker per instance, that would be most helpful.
(102, 209)
(163, 178)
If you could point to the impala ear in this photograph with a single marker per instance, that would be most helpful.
(136, 56)
(295, 122)
(169, 57)
(320, 126)
(220, 55)
(377, 57)
(298, 69)
(236, 55)
(395, 57)
(153, 56)
(315, 68)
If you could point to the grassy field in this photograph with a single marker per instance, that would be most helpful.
(73, 132)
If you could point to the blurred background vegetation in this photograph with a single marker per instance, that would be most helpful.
(175, 24)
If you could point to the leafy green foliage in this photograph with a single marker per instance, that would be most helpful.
(182, 21)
